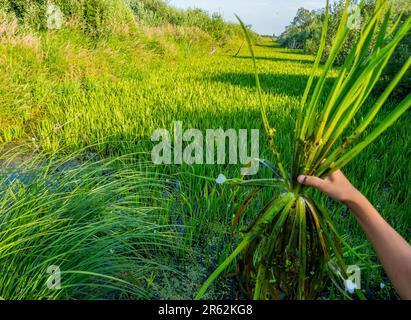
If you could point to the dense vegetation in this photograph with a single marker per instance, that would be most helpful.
(84, 100)
(304, 33)
(97, 16)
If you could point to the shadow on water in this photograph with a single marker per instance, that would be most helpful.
(292, 85)
(277, 59)
(277, 46)
(268, 45)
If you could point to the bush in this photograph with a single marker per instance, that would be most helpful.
(154, 13)
(101, 17)
(302, 28)
(94, 17)
(29, 12)
(304, 32)
(32, 13)
(399, 58)
(18, 7)
(69, 8)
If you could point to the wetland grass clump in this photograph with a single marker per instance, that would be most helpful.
(292, 248)
(93, 219)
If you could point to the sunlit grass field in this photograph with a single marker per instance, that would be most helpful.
(61, 93)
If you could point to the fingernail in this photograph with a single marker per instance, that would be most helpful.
(301, 179)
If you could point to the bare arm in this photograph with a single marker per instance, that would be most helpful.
(393, 251)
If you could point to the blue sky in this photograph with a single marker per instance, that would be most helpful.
(266, 16)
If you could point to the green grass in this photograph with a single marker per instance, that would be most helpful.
(95, 220)
(68, 93)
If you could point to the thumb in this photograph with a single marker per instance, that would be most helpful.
(312, 181)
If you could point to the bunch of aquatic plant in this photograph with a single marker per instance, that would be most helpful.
(292, 247)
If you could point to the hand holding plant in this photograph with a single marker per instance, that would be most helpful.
(336, 185)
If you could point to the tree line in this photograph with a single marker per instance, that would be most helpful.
(304, 33)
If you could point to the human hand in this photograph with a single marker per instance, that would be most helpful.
(337, 186)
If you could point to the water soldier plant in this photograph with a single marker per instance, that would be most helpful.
(292, 246)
